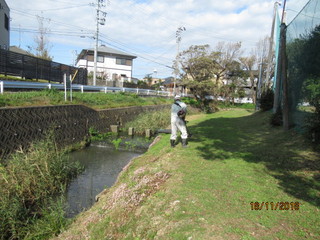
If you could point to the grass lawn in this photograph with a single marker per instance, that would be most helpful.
(209, 190)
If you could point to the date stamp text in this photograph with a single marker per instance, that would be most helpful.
(275, 205)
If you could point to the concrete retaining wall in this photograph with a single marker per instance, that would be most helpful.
(71, 123)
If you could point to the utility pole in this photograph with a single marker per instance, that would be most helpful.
(269, 63)
(99, 21)
(176, 70)
(279, 85)
(258, 90)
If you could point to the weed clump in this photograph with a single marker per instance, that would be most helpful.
(154, 120)
(29, 181)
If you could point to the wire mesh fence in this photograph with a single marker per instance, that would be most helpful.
(302, 47)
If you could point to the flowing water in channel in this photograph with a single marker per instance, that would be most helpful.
(102, 163)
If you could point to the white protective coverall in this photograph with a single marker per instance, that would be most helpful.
(176, 122)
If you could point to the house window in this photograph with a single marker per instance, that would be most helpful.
(123, 61)
(6, 22)
(90, 58)
(100, 59)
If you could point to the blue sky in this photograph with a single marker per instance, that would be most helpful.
(145, 28)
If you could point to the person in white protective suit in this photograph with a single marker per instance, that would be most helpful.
(178, 121)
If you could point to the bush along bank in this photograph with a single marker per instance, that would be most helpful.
(30, 185)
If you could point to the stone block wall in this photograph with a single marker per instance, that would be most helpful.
(70, 123)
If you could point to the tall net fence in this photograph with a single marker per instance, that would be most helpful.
(303, 54)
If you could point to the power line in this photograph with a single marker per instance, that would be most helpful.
(141, 56)
(53, 9)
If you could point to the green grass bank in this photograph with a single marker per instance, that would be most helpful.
(239, 178)
(89, 99)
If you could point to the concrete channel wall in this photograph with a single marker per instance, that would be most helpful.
(70, 123)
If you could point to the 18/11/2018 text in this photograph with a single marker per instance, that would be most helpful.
(275, 205)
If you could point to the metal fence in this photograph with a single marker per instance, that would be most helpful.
(20, 86)
(29, 67)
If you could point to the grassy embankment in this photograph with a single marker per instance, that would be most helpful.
(93, 100)
(205, 191)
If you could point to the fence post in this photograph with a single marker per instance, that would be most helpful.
(81, 87)
(148, 92)
(1, 87)
(137, 91)
(105, 90)
(123, 89)
(65, 86)
(70, 87)
(49, 86)
(284, 78)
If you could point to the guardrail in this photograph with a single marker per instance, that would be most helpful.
(76, 87)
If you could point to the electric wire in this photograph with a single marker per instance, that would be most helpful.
(53, 9)
(116, 43)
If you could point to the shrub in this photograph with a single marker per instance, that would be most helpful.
(266, 100)
(312, 93)
(276, 118)
(191, 102)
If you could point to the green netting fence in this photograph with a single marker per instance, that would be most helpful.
(302, 45)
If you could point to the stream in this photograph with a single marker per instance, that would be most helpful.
(102, 163)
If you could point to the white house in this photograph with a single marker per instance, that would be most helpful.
(4, 25)
(113, 66)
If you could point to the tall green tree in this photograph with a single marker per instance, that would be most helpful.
(226, 55)
(199, 67)
(211, 72)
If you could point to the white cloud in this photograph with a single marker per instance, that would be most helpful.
(146, 27)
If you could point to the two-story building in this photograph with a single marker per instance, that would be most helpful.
(4, 25)
(113, 66)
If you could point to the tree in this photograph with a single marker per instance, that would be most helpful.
(148, 78)
(199, 66)
(248, 64)
(41, 49)
(234, 83)
(225, 56)
(261, 53)
(208, 72)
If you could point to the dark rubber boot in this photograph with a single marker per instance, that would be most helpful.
(184, 143)
(172, 142)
